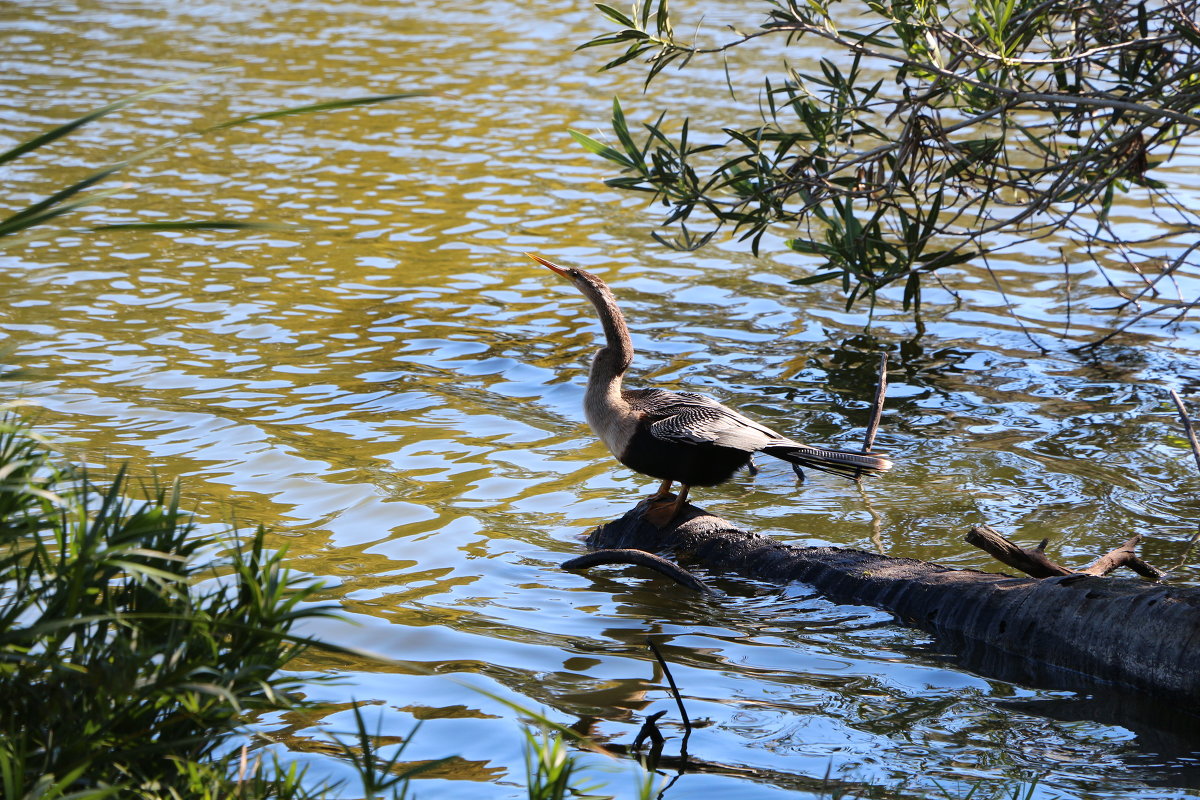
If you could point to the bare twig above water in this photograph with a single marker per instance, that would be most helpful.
(1033, 562)
(687, 723)
(642, 559)
(649, 730)
(1124, 556)
(1188, 429)
(1067, 276)
(1187, 554)
(1185, 307)
(877, 407)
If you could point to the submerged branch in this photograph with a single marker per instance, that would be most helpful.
(642, 559)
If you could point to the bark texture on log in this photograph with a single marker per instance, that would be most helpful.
(1069, 631)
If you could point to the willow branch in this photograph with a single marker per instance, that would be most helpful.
(1053, 98)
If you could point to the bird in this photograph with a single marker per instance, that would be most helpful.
(680, 437)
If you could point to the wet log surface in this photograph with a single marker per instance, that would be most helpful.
(1073, 631)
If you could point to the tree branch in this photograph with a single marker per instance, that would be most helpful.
(642, 559)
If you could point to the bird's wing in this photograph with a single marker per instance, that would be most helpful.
(695, 419)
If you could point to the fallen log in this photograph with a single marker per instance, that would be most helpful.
(1067, 631)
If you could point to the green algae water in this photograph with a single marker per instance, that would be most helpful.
(395, 391)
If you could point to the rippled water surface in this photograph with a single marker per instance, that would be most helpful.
(396, 393)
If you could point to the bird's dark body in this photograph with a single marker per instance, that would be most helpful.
(685, 462)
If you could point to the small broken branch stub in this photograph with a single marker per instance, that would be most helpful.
(1035, 563)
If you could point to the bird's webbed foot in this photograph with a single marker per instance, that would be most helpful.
(662, 511)
(664, 490)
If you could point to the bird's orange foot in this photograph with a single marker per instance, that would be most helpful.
(661, 511)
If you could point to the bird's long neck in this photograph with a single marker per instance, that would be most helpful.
(611, 360)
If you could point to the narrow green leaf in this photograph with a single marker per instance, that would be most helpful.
(11, 224)
(614, 15)
(805, 246)
(1183, 27)
(332, 105)
(912, 291)
(1034, 139)
(62, 130)
(820, 277)
(192, 225)
(135, 568)
(621, 128)
(944, 258)
(658, 64)
(1106, 202)
(663, 18)
(600, 149)
(869, 39)
(628, 55)
(615, 38)
(49, 214)
(931, 219)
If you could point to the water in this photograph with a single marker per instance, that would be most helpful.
(395, 391)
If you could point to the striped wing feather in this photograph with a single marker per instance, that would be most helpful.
(685, 418)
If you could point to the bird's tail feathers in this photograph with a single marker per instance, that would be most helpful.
(846, 463)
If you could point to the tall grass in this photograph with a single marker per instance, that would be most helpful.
(131, 644)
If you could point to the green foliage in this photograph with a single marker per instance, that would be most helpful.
(127, 647)
(550, 770)
(132, 647)
(998, 122)
(378, 775)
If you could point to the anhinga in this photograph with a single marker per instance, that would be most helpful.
(679, 437)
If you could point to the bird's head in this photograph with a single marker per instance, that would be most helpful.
(618, 350)
(590, 285)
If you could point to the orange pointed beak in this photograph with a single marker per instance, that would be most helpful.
(548, 265)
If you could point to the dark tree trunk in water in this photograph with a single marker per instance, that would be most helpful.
(1070, 632)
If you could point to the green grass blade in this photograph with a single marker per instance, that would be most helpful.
(192, 225)
(332, 105)
(62, 130)
(11, 224)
